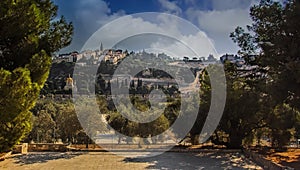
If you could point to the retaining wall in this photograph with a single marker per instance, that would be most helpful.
(47, 147)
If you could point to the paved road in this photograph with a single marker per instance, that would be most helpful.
(105, 160)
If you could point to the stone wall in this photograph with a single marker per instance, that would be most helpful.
(47, 147)
(23, 148)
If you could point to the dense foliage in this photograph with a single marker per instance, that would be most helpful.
(29, 34)
(272, 98)
(57, 120)
(263, 99)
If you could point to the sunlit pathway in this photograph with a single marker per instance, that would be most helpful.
(105, 160)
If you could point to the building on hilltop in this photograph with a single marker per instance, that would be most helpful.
(211, 58)
(70, 57)
(239, 61)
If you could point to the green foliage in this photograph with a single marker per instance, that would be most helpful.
(67, 122)
(244, 40)
(205, 100)
(241, 114)
(281, 121)
(150, 129)
(27, 28)
(53, 120)
(91, 118)
(276, 34)
(39, 68)
(43, 127)
(275, 38)
(29, 34)
(18, 96)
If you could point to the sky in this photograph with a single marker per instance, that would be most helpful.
(215, 19)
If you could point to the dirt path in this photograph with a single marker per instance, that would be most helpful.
(106, 160)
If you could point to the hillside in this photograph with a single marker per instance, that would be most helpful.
(57, 77)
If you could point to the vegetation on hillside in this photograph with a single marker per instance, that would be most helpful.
(263, 103)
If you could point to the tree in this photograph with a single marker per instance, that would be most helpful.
(205, 95)
(91, 119)
(241, 113)
(67, 122)
(280, 129)
(275, 39)
(135, 129)
(29, 27)
(44, 122)
(58, 120)
(29, 34)
(18, 94)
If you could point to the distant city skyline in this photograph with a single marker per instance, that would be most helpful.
(215, 18)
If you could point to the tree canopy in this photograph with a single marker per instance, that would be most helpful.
(274, 39)
(265, 100)
(29, 33)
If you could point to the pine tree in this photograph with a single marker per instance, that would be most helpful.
(29, 34)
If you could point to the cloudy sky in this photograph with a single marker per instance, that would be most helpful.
(214, 18)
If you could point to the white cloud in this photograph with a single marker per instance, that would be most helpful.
(192, 46)
(95, 13)
(230, 4)
(172, 39)
(170, 7)
(88, 16)
(220, 22)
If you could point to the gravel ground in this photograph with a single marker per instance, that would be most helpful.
(106, 160)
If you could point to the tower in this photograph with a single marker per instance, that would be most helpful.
(101, 47)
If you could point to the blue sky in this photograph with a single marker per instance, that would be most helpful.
(216, 18)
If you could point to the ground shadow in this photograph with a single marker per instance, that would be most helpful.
(43, 157)
(293, 163)
(175, 160)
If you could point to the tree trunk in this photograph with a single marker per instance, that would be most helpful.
(87, 139)
(235, 141)
(195, 139)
